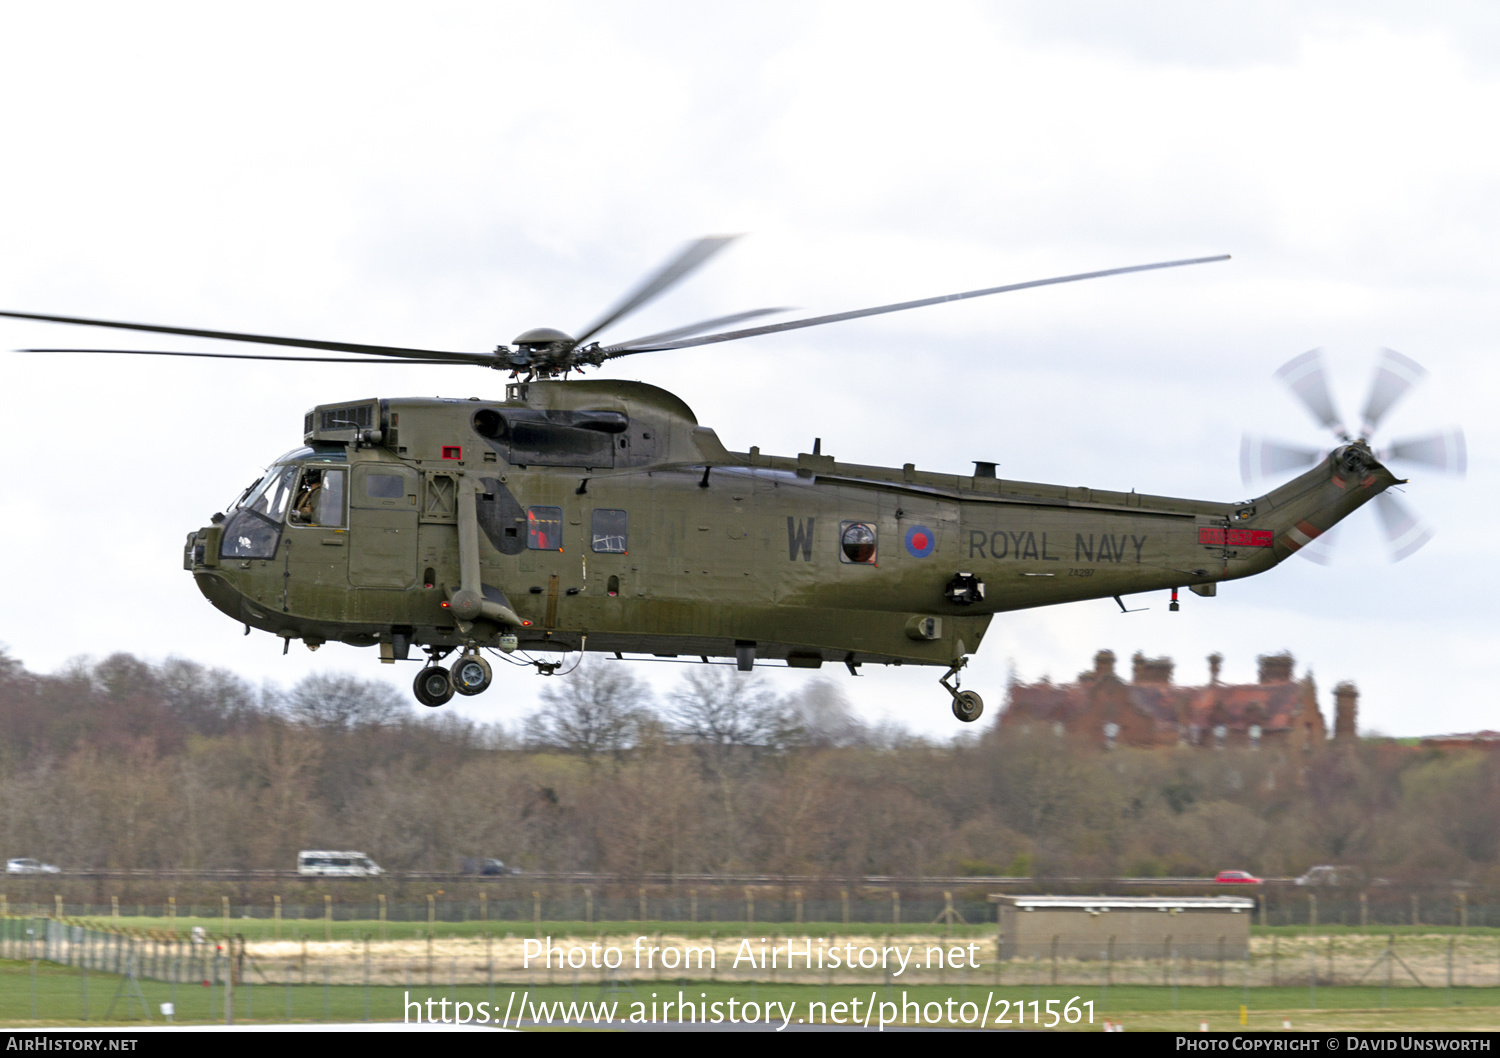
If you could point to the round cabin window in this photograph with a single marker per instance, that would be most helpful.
(858, 542)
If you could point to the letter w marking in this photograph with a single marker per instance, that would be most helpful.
(799, 537)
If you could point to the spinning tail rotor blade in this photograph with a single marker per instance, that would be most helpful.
(1444, 450)
(1262, 457)
(1403, 529)
(688, 260)
(1395, 375)
(1305, 377)
(1321, 550)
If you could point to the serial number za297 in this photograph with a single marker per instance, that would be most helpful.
(1045, 1014)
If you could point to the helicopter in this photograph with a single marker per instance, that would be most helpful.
(584, 515)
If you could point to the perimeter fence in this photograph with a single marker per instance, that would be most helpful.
(504, 957)
(516, 903)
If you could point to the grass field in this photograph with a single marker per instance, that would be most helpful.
(45, 994)
(255, 929)
(258, 929)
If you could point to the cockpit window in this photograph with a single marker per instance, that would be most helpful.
(319, 499)
(254, 529)
(271, 495)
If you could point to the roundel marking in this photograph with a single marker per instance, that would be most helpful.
(920, 541)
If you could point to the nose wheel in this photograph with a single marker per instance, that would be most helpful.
(471, 674)
(434, 686)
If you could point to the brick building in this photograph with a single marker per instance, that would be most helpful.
(1150, 710)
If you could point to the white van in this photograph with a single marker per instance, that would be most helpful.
(341, 864)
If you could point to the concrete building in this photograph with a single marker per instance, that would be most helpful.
(1150, 710)
(1124, 927)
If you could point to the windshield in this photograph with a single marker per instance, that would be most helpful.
(269, 498)
(254, 529)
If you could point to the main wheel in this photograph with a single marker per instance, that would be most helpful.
(433, 686)
(968, 706)
(471, 674)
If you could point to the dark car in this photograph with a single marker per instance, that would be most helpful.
(485, 866)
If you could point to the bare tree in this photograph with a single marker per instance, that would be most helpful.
(598, 708)
(339, 700)
(716, 705)
(824, 717)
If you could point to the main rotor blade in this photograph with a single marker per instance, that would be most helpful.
(1445, 450)
(1262, 457)
(692, 328)
(1395, 375)
(1304, 376)
(687, 261)
(249, 356)
(817, 321)
(1403, 529)
(264, 339)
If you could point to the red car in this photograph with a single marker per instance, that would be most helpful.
(1235, 878)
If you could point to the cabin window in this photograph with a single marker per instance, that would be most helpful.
(544, 528)
(384, 486)
(857, 543)
(610, 531)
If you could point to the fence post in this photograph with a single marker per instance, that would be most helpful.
(172, 912)
(1415, 918)
(844, 898)
(536, 907)
(1054, 958)
(1262, 900)
(895, 907)
(114, 910)
(1312, 909)
(367, 970)
(1275, 953)
(749, 907)
(432, 911)
(1364, 910)
(642, 894)
(1463, 910)
(327, 916)
(382, 913)
(798, 894)
(57, 902)
(588, 905)
(484, 906)
(693, 905)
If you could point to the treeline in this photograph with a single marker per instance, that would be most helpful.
(122, 763)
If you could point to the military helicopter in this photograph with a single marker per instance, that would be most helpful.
(592, 515)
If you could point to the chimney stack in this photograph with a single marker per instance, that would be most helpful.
(1104, 664)
(1276, 668)
(1151, 670)
(1345, 712)
(1215, 663)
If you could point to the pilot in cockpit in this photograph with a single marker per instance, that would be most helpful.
(305, 508)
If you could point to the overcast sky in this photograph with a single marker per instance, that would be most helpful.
(448, 175)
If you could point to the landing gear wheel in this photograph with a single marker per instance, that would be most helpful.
(433, 686)
(471, 674)
(968, 706)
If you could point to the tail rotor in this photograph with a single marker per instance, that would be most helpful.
(1395, 376)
